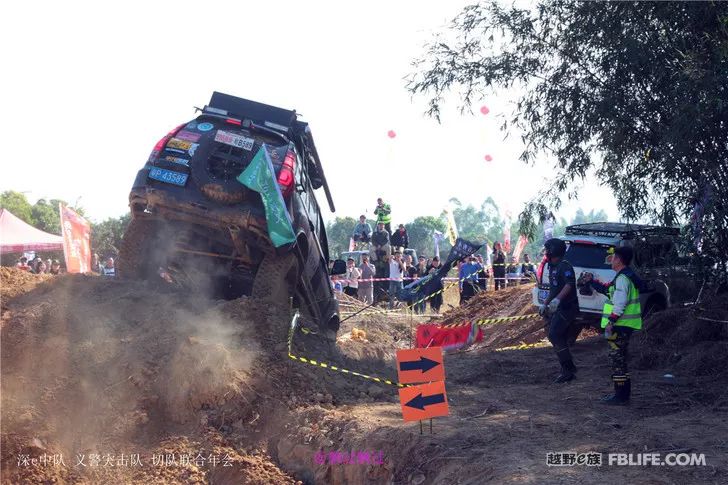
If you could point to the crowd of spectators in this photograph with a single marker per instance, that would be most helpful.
(53, 266)
(389, 263)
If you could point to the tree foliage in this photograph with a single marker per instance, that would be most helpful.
(633, 92)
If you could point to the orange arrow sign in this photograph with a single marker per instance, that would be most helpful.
(420, 365)
(424, 401)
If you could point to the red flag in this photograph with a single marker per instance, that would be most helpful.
(449, 338)
(76, 241)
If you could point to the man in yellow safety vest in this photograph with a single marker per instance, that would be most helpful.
(622, 315)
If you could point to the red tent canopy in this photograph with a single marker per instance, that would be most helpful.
(17, 236)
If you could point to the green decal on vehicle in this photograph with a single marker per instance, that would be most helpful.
(260, 177)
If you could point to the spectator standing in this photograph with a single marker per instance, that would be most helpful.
(468, 276)
(366, 288)
(380, 241)
(362, 231)
(528, 270)
(108, 268)
(482, 273)
(353, 274)
(384, 215)
(411, 269)
(40, 267)
(396, 274)
(513, 272)
(399, 239)
(436, 300)
(421, 272)
(55, 267)
(23, 264)
(96, 264)
(499, 266)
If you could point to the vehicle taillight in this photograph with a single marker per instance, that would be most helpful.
(285, 177)
(539, 272)
(163, 142)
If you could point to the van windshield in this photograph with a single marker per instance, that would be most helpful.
(595, 256)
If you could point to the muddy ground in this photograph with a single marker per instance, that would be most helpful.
(120, 378)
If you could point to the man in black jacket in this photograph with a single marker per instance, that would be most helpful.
(400, 239)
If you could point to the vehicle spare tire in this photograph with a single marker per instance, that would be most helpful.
(215, 171)
(276, 279)
(137, 248)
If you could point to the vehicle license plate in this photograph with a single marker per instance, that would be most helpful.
(168, 176)
(232, 139)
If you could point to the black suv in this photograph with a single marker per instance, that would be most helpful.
(193, 223)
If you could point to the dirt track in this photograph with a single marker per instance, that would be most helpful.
(99, 367)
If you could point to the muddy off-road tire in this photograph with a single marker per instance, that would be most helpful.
(276, 279)
(136, 247)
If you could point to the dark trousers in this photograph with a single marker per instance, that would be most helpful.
(558, 335)
(436, 303)
(467, 292)
(618, 346)
(348, 290)
(499, 280)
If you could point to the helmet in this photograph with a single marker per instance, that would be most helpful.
(555, 248)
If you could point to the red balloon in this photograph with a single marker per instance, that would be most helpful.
(484, 109)
(391, 134)
(488, 158)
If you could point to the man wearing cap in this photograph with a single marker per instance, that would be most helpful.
(400, 239)
(362, 231)
(366, 288)
(622, 315)
(384, 215)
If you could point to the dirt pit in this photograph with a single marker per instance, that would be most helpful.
(137, 383)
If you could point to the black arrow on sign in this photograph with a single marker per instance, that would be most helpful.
(424, 364)
(420, 401)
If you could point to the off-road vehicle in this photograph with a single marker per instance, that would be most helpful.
(656, 260)
(195, 224)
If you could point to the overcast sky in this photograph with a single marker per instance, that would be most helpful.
(89, 87)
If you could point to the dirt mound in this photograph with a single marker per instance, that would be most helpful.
(100, 366)
(488, 304)
(689, 341)
(14, 282)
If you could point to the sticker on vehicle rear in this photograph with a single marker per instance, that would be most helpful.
(188, 136)
(168, 176)
(181, 161)
(232, 139)
(179, 144)
(205, 126)
(182, 146)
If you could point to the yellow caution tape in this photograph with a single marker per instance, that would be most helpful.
(523, 346)
(488, 321)
(324, 365)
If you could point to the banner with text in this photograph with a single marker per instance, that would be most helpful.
(76, 233)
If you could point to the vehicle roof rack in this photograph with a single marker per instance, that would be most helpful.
(621, 229)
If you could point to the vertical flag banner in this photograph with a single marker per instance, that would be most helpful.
(76, 233)
(452, 230)
(507, 236)
(522, 241)
(436, 238)
(261, 177)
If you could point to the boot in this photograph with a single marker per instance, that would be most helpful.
(621, 394)
(568, 372)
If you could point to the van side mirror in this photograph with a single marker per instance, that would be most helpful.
(339, 267)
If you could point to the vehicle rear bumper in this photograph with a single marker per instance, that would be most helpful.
(164, 205)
